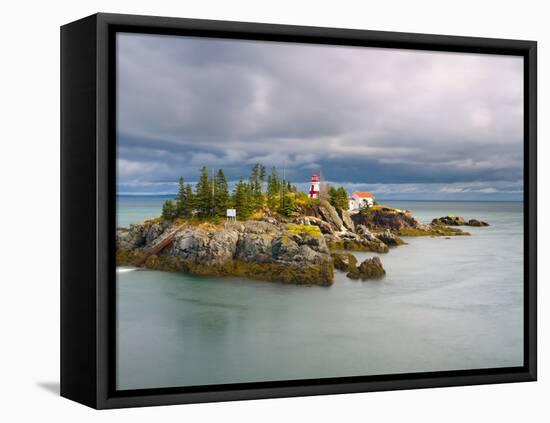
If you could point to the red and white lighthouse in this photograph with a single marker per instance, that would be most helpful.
(314, 190)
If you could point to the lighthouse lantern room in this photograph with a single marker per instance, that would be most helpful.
(314, 190)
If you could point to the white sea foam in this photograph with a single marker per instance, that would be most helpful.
(125, 269)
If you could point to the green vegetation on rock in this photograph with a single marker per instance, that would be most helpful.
(431, 231)
(338, 198)
(304, 230)
(369, 269)
(367, 246)
(308, 274)
(344, 261)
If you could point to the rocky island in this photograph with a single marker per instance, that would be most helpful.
(280, 234)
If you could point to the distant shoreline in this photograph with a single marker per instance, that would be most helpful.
(381, 199)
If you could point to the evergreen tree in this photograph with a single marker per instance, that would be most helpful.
(338, 197)
(256, 180)
(263, 173)
(273, 189)
(286, 205)
(221, 194)
(242, 196)
(169, 210)
(342, 198)
(189, 205)
(181, 198)
(204, 197)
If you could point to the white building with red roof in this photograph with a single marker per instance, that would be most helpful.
(360, 200)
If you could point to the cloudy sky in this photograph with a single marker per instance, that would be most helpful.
(405, 124)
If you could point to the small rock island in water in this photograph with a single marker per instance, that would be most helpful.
(267, 229)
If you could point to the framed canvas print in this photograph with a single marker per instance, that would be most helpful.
(255, 211)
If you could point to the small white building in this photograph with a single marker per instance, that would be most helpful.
(360, 200)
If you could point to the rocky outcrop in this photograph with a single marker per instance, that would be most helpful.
(431, 230)
(475, 222)
(339, 230)
(344, 261)
(358, 245)
(138, 235)
(253, 249)
(295, 250)
(449, 221)
(383, 222)
(389, 238)
(457, 221)
(325, 227)
(346, 220)
(385, 218)
(369, 269)
(324, 211)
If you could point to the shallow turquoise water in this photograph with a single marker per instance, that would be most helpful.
(445, 304)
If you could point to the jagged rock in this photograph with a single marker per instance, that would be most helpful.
(316, 244)
(385, 218)
(431, 230)
(268, 219)
(365, 233)
(255, 249)
(457, 221)
(475, 222)
(388, 238)
(153, 232)
(221, 248)
(258, 227)
(330, 215)
(346, 220)
(369, 269)
(375, 246)
(344, 261)
(284, 248)
(449, 221)
(325, 227)
(131, 238)
(326, 212)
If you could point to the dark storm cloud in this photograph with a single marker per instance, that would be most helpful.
(361, 115)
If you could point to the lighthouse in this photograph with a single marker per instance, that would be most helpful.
(314, 190)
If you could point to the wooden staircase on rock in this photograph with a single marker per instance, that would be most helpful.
(161, 243)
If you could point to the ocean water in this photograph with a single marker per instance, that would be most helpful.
(445, 304)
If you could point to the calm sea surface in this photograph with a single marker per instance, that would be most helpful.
(445, 304)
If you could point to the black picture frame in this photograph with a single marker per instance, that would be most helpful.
(88, 210)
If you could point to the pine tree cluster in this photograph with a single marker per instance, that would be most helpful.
(211, 197)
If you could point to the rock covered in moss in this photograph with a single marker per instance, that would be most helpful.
(358, 245)
(389, 238)
(344, 261)
(431, 230)
(381, 218)
(369, 269)
(255, 249)
(458, 221)
(323, 226)
(324, 211)
(365, 233)
(449, 221)
(475, 222)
